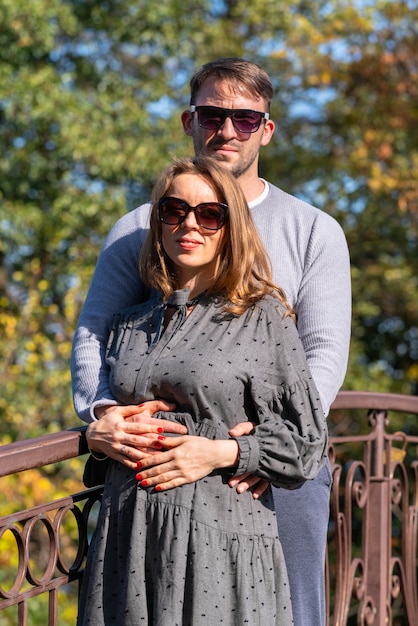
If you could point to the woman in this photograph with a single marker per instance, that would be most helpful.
(174, 544)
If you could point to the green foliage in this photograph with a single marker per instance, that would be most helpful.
(350, 147)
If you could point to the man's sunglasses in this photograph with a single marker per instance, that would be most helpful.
(210, 215)
(244, 120)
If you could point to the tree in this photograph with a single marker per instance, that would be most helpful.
(350, 146)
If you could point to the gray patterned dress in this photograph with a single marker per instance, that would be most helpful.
(200, 554)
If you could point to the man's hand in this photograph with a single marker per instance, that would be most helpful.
(247, 481)
(123, 431)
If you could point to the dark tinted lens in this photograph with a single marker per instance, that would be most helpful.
(172, 210)
(246, 121)
(210, 118)
(210, 215)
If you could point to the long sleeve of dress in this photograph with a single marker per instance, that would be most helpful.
(289, 444)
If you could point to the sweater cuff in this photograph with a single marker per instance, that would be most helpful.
(249, 455)
(99, 403)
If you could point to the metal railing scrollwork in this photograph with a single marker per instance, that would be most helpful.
(372, 549)
(372, 558)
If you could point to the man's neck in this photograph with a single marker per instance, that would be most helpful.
(252, 187)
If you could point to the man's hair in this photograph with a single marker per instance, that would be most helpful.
(238, 73)
(244, 273)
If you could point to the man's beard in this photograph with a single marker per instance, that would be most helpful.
(238, 169)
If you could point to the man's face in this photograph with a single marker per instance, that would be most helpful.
(236, 150)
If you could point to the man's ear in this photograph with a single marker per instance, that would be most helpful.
(268, 131)
(186, 120)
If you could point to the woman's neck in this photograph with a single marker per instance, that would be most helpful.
(195, 287)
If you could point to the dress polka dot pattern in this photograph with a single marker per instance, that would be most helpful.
(201, 554)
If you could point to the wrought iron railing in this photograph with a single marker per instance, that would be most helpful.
(372, 549)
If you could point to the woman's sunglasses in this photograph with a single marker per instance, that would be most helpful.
(244, 120)
(210, 215)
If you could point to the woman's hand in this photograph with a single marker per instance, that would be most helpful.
(185, 460)
(124, 433)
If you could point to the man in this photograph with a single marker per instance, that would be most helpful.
(229, 118)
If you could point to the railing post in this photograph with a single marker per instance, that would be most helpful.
(377, 530)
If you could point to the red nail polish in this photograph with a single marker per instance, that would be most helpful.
(139, 465)
(139, 405)
(144, 483)
(158, 444)
(160, 430)
(158, 488)
(161, 438)
(138, 477)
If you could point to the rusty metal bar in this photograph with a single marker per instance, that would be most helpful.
(375, 401)
(42, 451)
(377, 526)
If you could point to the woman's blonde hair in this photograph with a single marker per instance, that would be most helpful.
(243, 275)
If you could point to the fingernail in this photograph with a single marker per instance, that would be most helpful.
(158, 444)
(138, 477)
(139, 465)
(144, 483)
(140, 405)
(161, 438)
(158, 488)
(160, 430)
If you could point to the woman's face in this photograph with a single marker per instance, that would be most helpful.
(193, 249)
